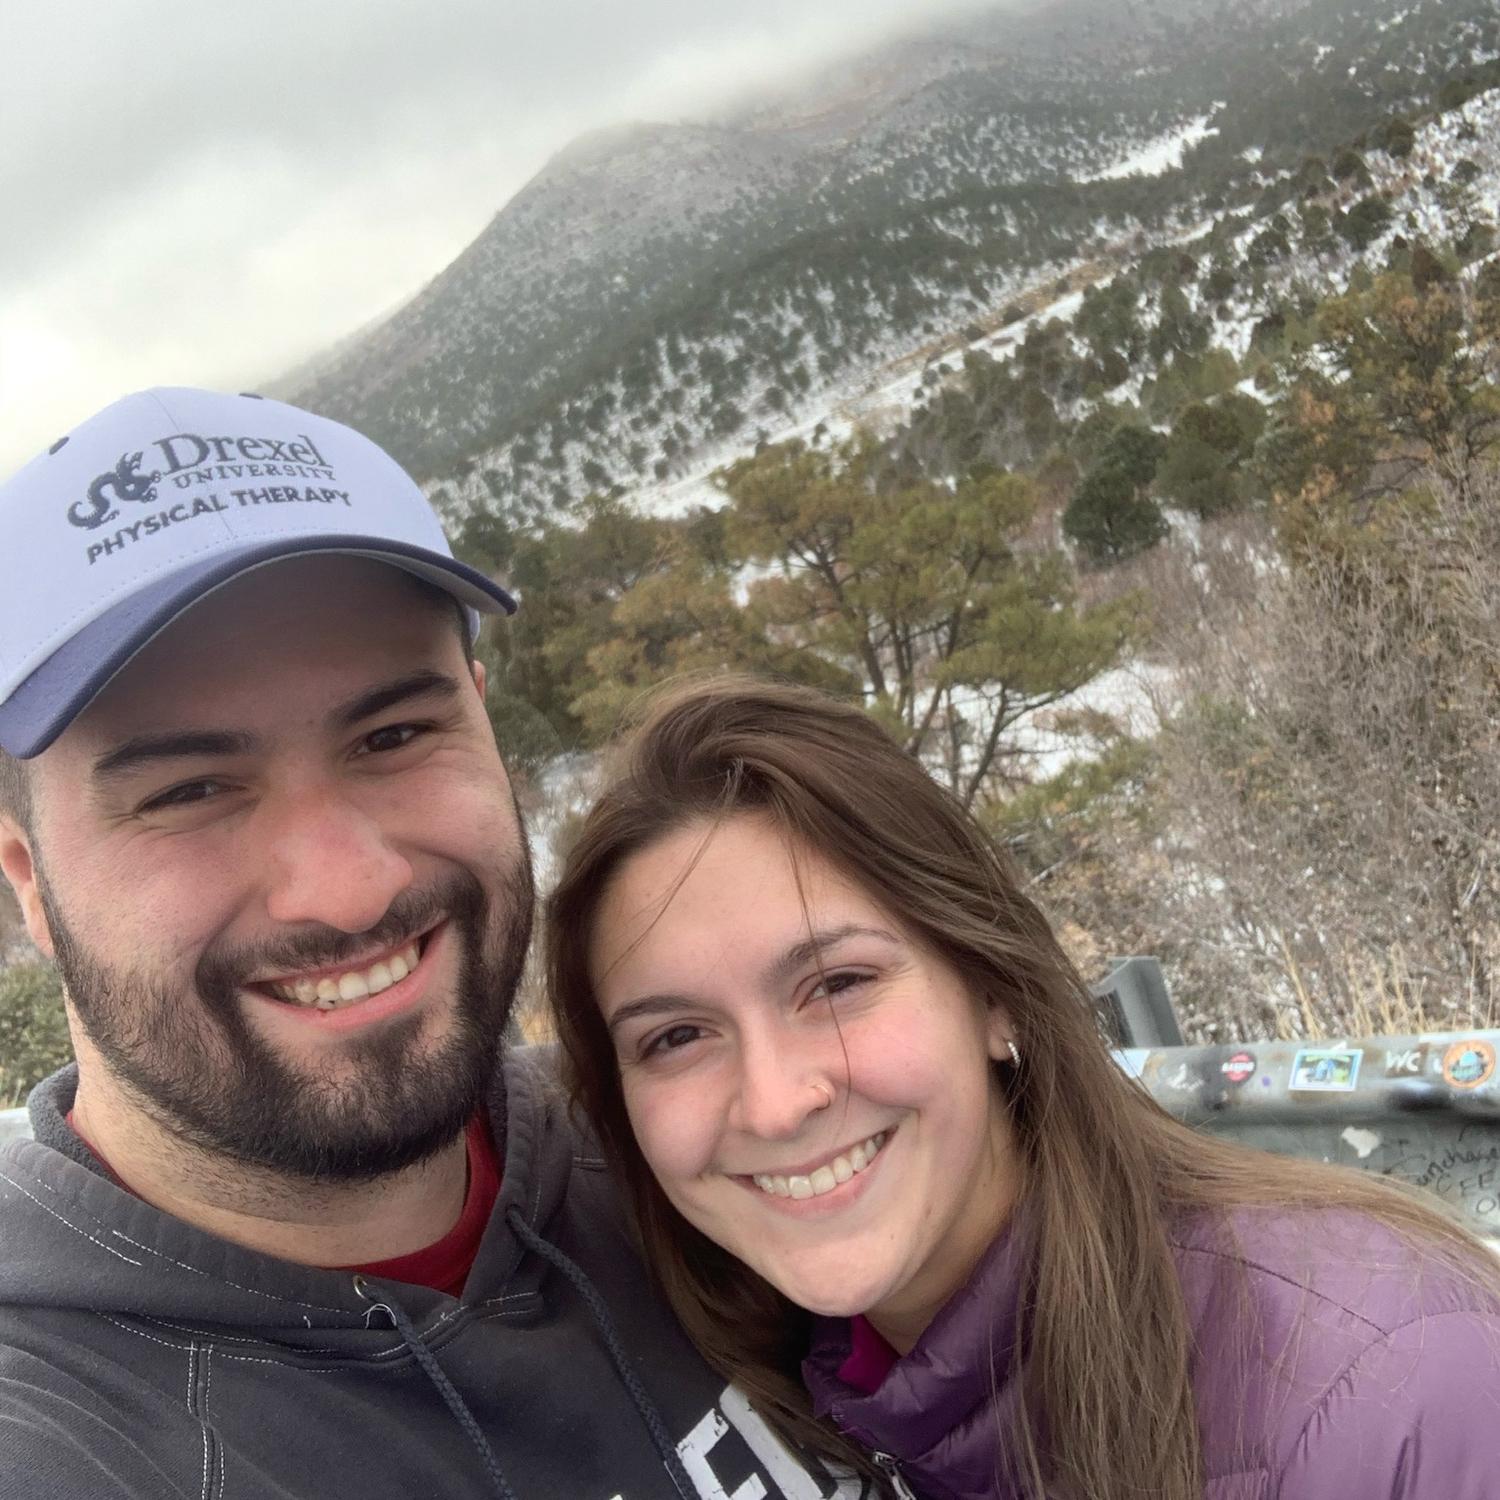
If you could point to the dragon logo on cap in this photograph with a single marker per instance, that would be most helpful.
(127, 482)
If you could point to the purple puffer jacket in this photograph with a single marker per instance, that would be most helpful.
(1376, 1376)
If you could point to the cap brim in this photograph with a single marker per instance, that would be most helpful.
(48, 700)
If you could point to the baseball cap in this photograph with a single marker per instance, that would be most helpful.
(161, 498)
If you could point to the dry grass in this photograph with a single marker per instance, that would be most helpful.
(1384, 999)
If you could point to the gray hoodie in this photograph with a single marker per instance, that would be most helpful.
(142, 1357)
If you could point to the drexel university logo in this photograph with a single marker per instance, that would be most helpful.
(190, 460)
(125, 481)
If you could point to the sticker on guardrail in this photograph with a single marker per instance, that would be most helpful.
(1468, 1064)
(1405, 1062)
(1238, 1067)
(1327, 1070)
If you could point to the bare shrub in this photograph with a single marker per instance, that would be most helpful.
(1322, 853)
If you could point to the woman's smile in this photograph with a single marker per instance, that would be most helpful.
(823, 1178)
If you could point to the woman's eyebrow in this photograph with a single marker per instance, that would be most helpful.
(780, 968)
(647, 1005)
(818, 942)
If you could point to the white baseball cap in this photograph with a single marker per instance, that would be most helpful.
(164, 496)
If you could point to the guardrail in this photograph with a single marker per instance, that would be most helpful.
(1425, 1109)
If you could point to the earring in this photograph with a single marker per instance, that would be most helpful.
(1015, 1052)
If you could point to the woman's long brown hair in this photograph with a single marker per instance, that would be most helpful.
(1108, 1411)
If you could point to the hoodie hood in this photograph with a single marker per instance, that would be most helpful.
(76, 1239)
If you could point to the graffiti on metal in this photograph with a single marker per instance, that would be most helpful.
(1425, 1109)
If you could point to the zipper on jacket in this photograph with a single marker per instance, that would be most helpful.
(892, 1471)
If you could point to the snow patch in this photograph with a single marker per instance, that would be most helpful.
(1164, 154)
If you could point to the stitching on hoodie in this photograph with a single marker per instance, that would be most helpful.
(224, 1280)
(159, 1254)
(255, 1359)
(150, 1339)
(347, 1366)
(223, 1338)
(208, 1385)
(536, 1198)
(77, 1229)
(202, 1424)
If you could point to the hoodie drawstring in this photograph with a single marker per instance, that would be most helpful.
(446, 1388)
(586, 1289)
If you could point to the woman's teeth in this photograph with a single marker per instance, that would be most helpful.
(827, 1177)
(334, 990)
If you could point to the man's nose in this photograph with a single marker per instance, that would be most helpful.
(331, 862)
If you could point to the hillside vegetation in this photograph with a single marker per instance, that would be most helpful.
(661, 294)
(1189, 592)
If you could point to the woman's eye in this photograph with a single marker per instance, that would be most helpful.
(671, 1040)
(836, 984)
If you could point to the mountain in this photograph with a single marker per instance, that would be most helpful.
(661, 296)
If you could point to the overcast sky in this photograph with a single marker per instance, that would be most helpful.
(206, 194)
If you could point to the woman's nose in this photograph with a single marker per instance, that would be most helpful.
(780, 1089)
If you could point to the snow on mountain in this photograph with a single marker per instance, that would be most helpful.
(661, 298)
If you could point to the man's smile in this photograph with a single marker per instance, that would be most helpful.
(332, 987)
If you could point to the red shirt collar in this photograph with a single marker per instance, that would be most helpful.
(443, 1265)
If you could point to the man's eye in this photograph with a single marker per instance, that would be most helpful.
(184, 795)
(392, 737)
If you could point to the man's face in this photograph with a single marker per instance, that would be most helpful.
(283, 873)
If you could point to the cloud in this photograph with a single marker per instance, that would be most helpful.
(204, 194)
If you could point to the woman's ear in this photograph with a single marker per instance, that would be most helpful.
(999, 1033)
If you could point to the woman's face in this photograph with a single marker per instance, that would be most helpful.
(812, 1087)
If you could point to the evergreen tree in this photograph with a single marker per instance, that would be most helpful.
(1111, 518)
(34, 1037)
(953, 630)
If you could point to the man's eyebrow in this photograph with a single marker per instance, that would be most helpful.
(424, 684)
(142, 749)
(780, 968)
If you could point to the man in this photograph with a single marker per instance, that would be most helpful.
(288, 1228)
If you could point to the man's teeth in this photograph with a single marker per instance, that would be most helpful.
(827, 1177)
(334, 990)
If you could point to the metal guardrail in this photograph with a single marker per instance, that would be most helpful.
(1135, 1006)
(1425, 1109)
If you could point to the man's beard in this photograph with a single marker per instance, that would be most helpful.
(201, 1071)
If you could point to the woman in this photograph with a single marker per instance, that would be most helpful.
(898, 1191)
